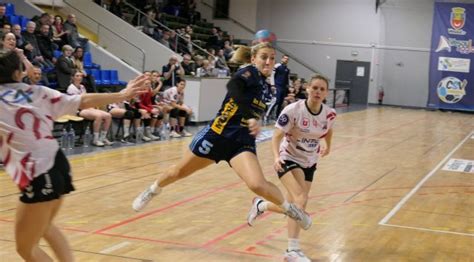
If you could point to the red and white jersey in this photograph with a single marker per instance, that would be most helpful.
(303, 130)
(74, 90)
(172, 95)
(27, 113)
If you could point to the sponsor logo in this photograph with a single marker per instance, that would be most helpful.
(453, 64)
(283, 120)
(462, 46)
(457, 21)
(451, 90)
(305, 122)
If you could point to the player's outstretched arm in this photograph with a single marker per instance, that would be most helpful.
(135, 87)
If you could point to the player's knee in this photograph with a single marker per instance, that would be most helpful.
(257, 187)
(25, 251)
(301, 199)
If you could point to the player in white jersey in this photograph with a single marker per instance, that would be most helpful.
(303, 133)
(32, 157)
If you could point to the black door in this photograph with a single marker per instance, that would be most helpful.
(354, 75)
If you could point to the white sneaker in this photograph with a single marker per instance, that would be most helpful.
(174, 134)
(254, 212)
(301, 217)
(296, 256)
(153, 137)
(146, 139)
(144, 198)
(107, 142)
(186, 133)
(98, 143)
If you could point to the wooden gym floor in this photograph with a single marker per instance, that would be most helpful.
(381, 195)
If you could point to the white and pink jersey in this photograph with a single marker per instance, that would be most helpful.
(172, 95)
(303, 129)
(74, 90)
(27, 113)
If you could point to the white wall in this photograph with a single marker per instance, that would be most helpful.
(244, 11)
(396, 40)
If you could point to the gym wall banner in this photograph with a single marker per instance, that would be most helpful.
(451, 59)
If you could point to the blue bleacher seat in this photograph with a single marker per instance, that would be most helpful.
(23, 22)
(114, 80)
(97, 76)
(57, 53)
(10, 9)
(14, 20)
(105, 77)
(87, 60)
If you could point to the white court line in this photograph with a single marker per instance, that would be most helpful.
(413, 191)
(115, 247)
(431, 230)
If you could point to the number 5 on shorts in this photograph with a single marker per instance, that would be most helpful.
(205, 147)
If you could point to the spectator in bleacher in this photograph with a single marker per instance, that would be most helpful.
(172, 72)
(165, 39)
(7, 28)
(116, 8)
(188, 65)
(214, 40)
(280, 79)
(35, 78)
(221, 61)
(205, 70)
(3, 18)
(174, 97)
(8, 41)
(173, 40)
(228, 50)
(59, 34)
(32, 51)
(88, 80)
(100, 118)
(149, 26)
(74, 39)
(16, 30)
(65, 68)
(46, 45)
(44, 19)
(186, 45)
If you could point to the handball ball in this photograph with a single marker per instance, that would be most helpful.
(265, 35)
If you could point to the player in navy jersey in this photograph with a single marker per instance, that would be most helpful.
(231, 137)
(303, 133)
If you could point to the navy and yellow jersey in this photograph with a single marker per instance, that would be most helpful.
(244, 100)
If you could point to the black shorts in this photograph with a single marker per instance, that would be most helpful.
(210, 145)
(290, 165)
(175, 113)
(51, 185)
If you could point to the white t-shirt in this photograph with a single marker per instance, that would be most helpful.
(27, 113)
(74, 90)
(303, 130)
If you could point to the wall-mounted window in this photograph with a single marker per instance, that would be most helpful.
(221, 9)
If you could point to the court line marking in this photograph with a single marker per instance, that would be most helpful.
(115, 247)
(418, 186)
(430, 230)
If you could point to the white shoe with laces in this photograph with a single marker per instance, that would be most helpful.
(254, 212)
(174, 134)
(186, 133)
(296, 256)
(144, 198)
(301, 217)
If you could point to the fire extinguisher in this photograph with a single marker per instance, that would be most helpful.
(380, 95)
